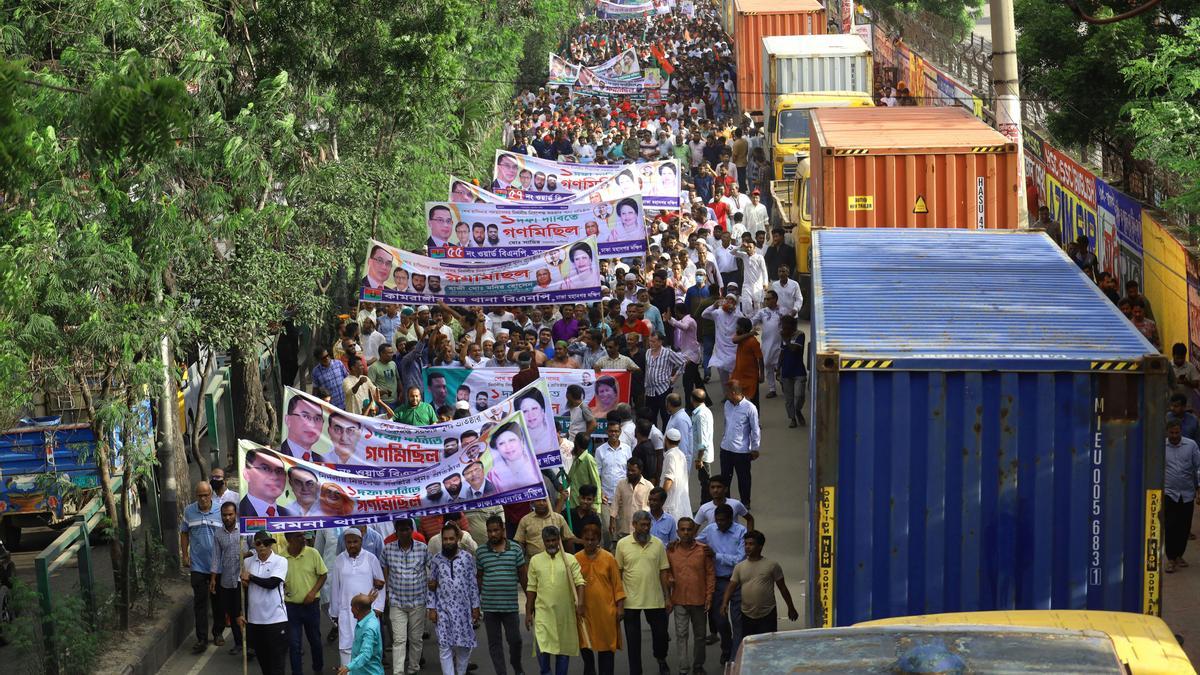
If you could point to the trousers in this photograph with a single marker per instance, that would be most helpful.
(510, 624)
(793, 395)
(304, 621)
(728, 628)
(657, 619)
(737, 464)
(689, 627)
(454, 659)
(1177, 524)
(705, 473)
(270, 643)
(590, 658)
(408, 623)
(766, 624)
(560, 662)
(692, 380)
(202, 603)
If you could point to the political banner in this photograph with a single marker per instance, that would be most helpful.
(483, 386)
(514, 174)
(563, 275)
(1071, 198)
(608, 189)
(614, 10)
(591, 83)
(1120, 225)
(497, 231)
(281, 493)
(623, 66)
(562, 71)
(318, 432)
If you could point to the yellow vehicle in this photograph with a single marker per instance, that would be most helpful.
(788, 126)
(1144, 644)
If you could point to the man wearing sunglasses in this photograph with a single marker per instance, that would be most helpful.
(265, 480)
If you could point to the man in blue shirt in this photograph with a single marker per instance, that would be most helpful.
(727, 541)
(1188, 423)
(366, 657)
(1181, 476)
(662, 524)
(743, 436)
(197, 536)
(328, 374)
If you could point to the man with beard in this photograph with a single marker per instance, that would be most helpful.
(539, 181)
(501, 568)
(478, 234)
(418, 283)
(551, 183)
(481, 400)
(404, 566)
(493, 234)
(554, 601)
(645, 574)
(452, 485)
(529, 529)
(453, 602)
(355, 571)
(434, 494)
(225, 583)
(435, 284)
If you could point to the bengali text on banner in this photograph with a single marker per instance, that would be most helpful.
(542, 180)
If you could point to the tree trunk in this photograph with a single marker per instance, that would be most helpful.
(125, 537)
(254, 416)
(176, 480)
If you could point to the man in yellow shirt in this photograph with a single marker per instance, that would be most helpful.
(529, 530)
(645, 573)
(306, 574)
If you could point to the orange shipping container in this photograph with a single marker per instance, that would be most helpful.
(911, 167)
(755, 19)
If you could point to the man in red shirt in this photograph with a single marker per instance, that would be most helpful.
(634, 323)
(719, 207)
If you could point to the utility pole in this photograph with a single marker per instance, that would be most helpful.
(1008, 92)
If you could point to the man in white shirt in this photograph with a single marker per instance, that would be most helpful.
(354, 571)
(755, 214)
(754, 277)
(611, 458)
(790, 297)
(675, 477)
(266, 619)
(372, 341)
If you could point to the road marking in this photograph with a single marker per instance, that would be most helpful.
(203, 660)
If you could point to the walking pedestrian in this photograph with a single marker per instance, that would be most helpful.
(355, 570)
(642, 560)
(265, 620)
(1181, 479)
(693, 583)
(553, 603)
(767, 320)
(718, 489)
(685, 331)
(792, 373)
(632, 496)
(306, 575)
(226, 581)
(740, 443)
(702, 440)
(757, 578)
(725, 318)
(663, 368)
(727, 541)
(675, 477)
(197, 533)
(748, 369)
(502, 572)
(404, 567)
(584, 470)
(453, 602)
(366, 656)
(603, 603)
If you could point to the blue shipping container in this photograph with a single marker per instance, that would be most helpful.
(987, 431)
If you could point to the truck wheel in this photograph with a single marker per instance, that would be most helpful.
(12, 534)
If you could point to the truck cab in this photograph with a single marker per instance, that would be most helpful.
(788, 127)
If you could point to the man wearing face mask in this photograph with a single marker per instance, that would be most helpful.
(220, 493)
(645, 574)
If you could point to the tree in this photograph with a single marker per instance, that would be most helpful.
(956, 13)
(1165, 116)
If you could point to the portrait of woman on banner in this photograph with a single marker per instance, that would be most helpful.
(513, 465)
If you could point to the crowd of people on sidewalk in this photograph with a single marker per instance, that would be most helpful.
(621, 543)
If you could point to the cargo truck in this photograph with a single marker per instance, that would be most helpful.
(754, 20)
(804, 72)
(987, 431)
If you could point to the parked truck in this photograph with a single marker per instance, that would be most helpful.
(987, 431)
(805, 72)
(754, 20)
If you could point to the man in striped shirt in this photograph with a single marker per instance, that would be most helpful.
(663, 366)
(404, 566)
(501, 568)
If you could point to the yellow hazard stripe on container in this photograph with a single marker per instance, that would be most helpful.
(850, 151)
(984, 149)
(826, 556)
(1115, 365)
(1152, 579)
(865, 364)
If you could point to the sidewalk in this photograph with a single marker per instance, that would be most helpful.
(1181, 600)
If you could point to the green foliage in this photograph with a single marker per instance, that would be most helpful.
(956, 13)
(77, 637)
(1165, 116)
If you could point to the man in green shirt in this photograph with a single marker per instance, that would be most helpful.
(501, 569)
(306, 574)
(584, 470)
(414, 411)
(386, 376)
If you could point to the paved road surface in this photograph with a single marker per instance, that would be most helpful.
(779, 512)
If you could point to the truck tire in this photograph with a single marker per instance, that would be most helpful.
(11, 534)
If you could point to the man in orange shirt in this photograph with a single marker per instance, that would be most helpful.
(748, 366)
(693, 580)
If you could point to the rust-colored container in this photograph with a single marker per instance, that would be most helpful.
(755, 19)
(911, 167)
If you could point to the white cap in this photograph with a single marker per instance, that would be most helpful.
(423, 308)
(463, 405)
(674, 435)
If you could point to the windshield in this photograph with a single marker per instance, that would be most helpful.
(793, 124)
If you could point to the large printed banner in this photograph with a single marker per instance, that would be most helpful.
(318, 432)
(518, 177)
(1120, 221)
(1071, 198)
(615, 10)
(562, 71)
(591, 83)
(566, 274)
(494, 231)
(483, 387)
(281, 493)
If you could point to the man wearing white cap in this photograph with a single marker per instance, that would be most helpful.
(355, 570)
(724, 316)
(675, 477)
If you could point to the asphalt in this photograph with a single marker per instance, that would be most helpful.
(779, 513)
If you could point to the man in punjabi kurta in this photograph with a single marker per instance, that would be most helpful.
(554, 601)
(603, 603)
(453, 601)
